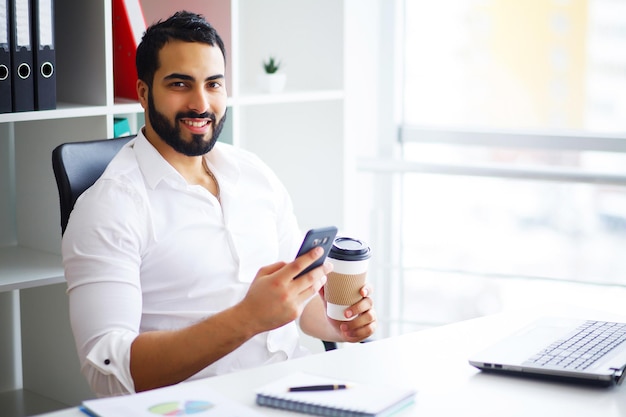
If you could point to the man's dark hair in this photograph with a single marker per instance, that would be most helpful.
(183, 26)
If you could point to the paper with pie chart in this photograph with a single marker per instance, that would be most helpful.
(192, 399)
(180, 408)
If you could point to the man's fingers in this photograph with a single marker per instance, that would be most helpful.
(304, 261)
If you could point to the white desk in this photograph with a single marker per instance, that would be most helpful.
(435, 363)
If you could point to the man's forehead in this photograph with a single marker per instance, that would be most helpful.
(196, 55)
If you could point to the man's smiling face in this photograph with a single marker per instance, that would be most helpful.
(187, 101)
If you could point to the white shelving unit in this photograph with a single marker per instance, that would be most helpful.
(299, 133)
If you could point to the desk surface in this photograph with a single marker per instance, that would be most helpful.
(434, 362)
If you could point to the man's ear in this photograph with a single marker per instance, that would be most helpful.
(142, 93)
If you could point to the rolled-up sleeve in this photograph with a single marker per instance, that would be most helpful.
(105, 320)
(107, 365)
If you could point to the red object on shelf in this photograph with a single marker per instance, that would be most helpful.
(128, 27)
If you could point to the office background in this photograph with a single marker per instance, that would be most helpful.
(477, 146)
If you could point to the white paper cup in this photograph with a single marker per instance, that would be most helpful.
(350, 259)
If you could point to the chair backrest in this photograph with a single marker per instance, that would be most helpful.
(77, 165)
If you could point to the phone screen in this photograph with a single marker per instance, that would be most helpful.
(324, 237)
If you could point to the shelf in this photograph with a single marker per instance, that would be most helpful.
(126, 106)
(289, 97)
(63, 111)
(26, 268)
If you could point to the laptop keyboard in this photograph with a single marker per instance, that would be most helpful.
(588, 343)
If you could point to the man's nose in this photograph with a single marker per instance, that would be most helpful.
(199, 101)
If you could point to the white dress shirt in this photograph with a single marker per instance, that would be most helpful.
(144, 250)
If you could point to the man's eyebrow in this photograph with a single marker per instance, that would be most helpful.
(177, 76)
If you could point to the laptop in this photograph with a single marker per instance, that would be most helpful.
(585, 351)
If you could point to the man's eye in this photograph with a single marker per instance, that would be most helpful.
(178, 84)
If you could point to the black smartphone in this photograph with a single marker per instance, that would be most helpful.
(324, 237)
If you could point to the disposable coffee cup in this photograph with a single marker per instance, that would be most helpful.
(350, 258)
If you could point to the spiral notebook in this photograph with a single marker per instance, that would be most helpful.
(358, 400)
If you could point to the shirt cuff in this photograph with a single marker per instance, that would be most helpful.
(107, 366)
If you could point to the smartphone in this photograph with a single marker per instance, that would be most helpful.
(324, 237)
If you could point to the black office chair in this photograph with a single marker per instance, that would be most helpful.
(77, 165)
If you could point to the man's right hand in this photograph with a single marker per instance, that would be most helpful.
(275, 298)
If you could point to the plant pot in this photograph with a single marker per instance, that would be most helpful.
(272, 83)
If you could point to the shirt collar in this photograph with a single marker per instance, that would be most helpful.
(156, 169)
(153, 166)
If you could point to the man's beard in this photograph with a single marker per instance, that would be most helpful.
(171, 133)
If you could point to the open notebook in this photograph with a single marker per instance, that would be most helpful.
(358, 400)
(585, 351)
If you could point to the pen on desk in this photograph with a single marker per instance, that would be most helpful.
(330, 387)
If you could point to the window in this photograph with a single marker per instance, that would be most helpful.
(536, 64)
(513, 138)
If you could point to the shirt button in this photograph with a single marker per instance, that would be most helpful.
(107, 361)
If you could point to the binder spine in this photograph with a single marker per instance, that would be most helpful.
(22, 84)
(44, 55)
(6, 105)
(128, 27)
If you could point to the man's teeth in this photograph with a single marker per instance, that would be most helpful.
(196, 124)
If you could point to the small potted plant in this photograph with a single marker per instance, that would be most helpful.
(272, 80)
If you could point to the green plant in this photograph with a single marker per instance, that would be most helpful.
(271, 66)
